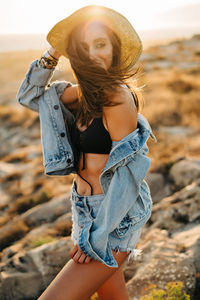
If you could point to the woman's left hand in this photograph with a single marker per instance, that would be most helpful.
(78, 256)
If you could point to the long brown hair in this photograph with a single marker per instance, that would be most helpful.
(95, 83)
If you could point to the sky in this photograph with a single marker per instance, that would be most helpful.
(39, 16)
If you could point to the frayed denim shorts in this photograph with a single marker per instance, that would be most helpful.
(89, 209)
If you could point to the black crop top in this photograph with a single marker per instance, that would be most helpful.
(95, 138)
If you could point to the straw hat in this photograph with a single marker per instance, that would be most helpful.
(131, 45)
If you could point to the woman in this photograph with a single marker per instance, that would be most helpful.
(110, 199)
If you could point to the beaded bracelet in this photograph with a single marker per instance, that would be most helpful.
(48, 61)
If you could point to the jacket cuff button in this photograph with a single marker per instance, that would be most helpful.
(69, 160)
(62, 134)
(56, 107)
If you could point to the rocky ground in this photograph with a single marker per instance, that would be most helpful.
(35, 210)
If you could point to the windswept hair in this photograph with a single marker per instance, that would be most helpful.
(94, 82)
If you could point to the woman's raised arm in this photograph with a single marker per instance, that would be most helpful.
(36, 82)
(70, 95)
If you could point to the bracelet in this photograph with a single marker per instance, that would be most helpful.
(48, 55)
(51, 55)
(47, 63)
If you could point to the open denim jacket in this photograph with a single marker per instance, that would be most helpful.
(127, 203)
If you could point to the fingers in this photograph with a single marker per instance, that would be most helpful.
(78, 256)
(73, 251)
(82, 258)
(87, 260)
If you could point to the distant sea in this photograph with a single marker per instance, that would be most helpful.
(18, 42)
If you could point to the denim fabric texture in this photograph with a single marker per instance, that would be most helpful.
(85, 208)
(127, 202)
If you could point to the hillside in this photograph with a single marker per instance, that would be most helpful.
(35, 212)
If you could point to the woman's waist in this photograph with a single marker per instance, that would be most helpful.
(88, 185)
(87, 179)
(94, 164)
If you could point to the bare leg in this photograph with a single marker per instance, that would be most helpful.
(80, 281)
(114, 288)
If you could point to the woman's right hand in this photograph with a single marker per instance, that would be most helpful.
(78, 256)
(54, 53)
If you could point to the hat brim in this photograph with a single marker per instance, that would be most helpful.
(131, 45)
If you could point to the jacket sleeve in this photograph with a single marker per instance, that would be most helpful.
(34, 85)
(122, 193)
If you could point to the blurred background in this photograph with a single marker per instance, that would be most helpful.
(35, 211)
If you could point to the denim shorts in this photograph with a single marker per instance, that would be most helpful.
(89, 209)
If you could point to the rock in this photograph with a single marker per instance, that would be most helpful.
(158, 187)
(193, 43)
(25, 154)
(185, 171)
(4, 199)
(20, 286)
(161, 263)
(165, 64)
(47, 212)
(50, 258)
(188, 236)
(187, 66)
(63, 224)
(177, 131)
(147, 57)
(10, 251)
(181, 208)
(13, 230)
(38, 232)
(27, 274)
(7, 169)
(19, 278)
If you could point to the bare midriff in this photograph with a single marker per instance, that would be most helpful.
(94, 164)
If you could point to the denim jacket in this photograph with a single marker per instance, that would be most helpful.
(127, 202)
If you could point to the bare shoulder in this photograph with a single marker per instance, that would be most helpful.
(121, 119)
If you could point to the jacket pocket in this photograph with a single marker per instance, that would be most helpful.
(123, 228)
(136, 213)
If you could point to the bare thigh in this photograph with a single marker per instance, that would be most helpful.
(80, 281)
(114, 287)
